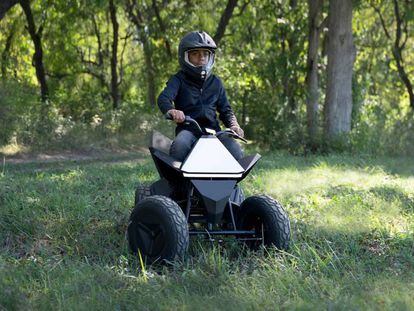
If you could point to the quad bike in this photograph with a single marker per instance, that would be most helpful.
(201, 197)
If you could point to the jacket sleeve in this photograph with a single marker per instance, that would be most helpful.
(168, 95)
(226, 114)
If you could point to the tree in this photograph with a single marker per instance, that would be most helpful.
(312, 79)
(341, 57)
(402, 19)
(102, 57)
(36, 35)
(114, 56)
(94, 67)
(6, 51)
(140, 20)
(224, 20)
(6, 5)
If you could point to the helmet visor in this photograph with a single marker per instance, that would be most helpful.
(199, 57)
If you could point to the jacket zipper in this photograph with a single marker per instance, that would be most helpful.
(201, 100)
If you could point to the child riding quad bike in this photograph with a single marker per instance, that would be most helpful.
(201, 197)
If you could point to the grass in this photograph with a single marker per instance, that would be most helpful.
(62, 240)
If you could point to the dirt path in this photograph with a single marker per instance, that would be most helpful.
(74, 155)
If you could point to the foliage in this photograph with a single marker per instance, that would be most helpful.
(62, 243)
(261, 59)
(17, 110)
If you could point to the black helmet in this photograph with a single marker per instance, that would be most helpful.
(196, 40)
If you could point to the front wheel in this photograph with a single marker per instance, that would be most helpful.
(158, 229)
(268, 219)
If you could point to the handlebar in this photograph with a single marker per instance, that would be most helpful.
(188, 120)
(232, 134)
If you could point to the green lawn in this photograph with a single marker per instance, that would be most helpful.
(62, 240)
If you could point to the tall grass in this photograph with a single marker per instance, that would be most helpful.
(62, 243)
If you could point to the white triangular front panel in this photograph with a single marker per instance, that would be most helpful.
(210, 156)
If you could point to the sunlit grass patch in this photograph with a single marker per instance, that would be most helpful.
(287, 182)
(12, 149)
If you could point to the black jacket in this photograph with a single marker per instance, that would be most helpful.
(197, 100)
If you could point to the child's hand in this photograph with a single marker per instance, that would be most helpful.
(177, 115)
(238, 130)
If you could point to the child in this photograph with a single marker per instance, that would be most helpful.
(199, 94)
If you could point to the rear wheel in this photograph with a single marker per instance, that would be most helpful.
(158, 229)
(268, 219)
(142, 192)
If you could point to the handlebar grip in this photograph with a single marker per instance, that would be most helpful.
(232, 134)
(188, 120)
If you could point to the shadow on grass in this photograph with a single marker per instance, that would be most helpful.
(402, 166)
(391, 194)
(64, 165)
(372, 251)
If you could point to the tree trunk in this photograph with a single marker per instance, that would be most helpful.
(398, 49)
(6, 52)
(341, 56)
(403, 75)
(137, 18)
(162, 28)
(151, 91)
(312, 79)
(38, 54)
(292, 79)
(6, 5)
(114, 57)
(99, 41)
(289, 78)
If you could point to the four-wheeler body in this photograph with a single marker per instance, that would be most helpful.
(201, 197)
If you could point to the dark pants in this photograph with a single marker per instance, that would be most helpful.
(185, 140)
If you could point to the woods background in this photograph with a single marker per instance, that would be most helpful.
(306, 76)
(78, 84)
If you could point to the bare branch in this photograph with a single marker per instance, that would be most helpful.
(58, 75)
(99, 40)
(242, 8)
(134, 14)
(38, 53)
(324, 23)
(162, 27)
(399, 22)
(85, 61)
(224, 20)
(6, 52)
(6, 5)
(382, 21)
(405, 25)
(121, 64)
(97, 75)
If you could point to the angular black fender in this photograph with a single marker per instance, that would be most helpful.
(215, 195)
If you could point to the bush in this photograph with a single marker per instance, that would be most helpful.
(17, 104)
(383, 130)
